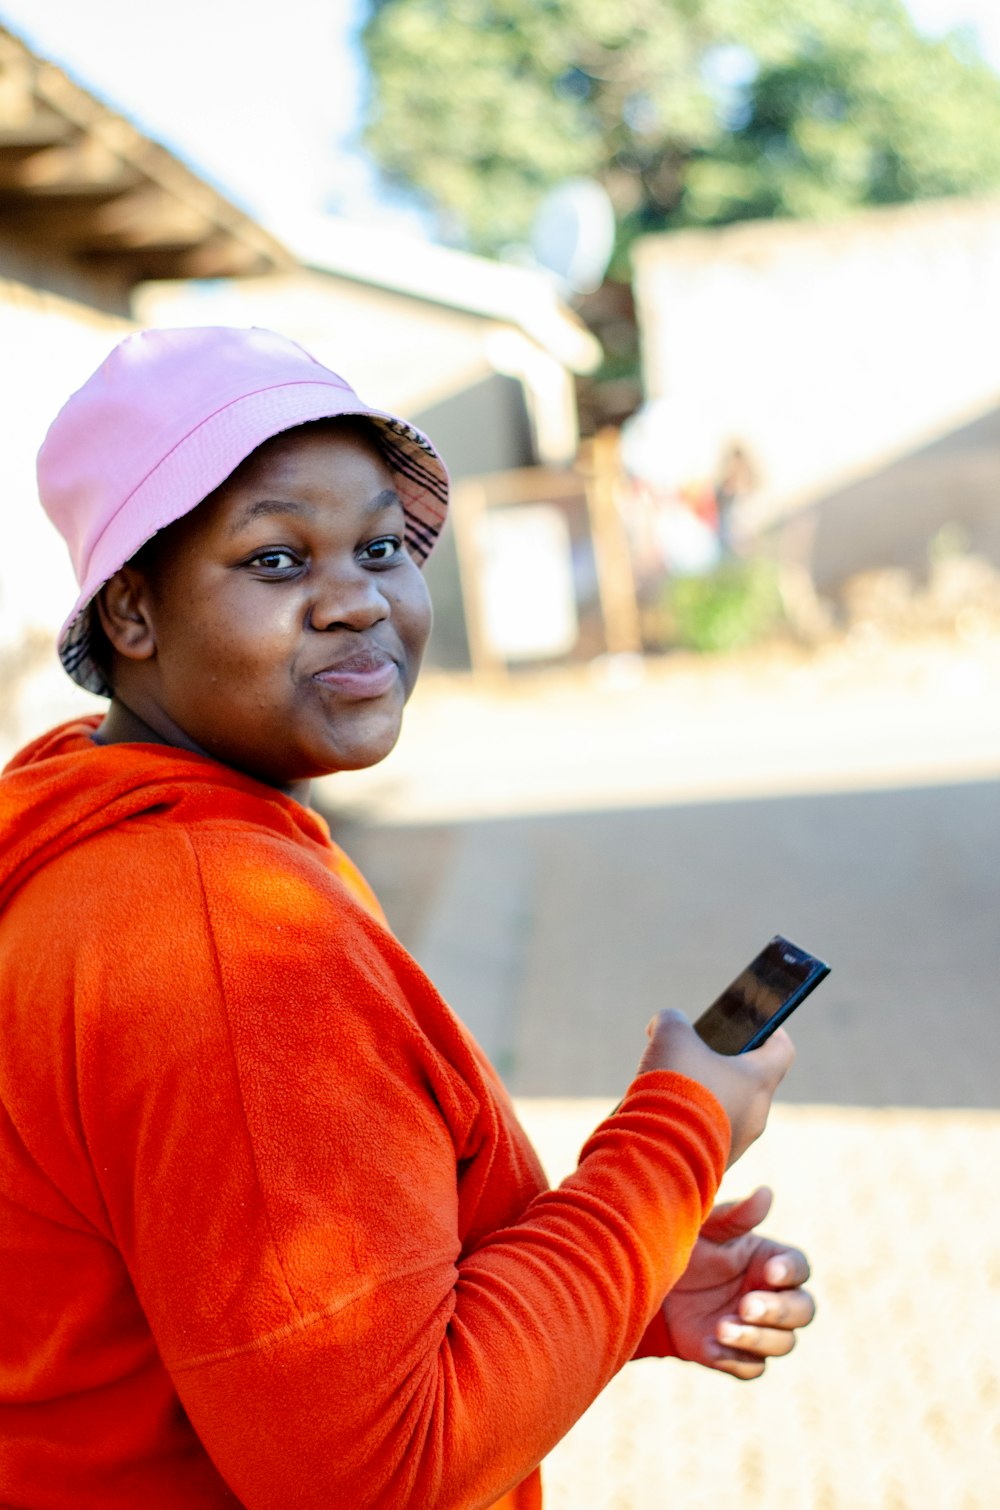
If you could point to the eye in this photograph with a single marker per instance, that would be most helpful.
(275, 561)
(382, 551)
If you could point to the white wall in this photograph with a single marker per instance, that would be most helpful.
(48, 346)
(827, 349)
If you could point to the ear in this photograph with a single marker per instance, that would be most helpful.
(124, 606)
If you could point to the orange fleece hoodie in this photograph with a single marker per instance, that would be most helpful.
(270, 1233)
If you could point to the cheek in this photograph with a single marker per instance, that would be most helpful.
(415, 614)
(231, 641)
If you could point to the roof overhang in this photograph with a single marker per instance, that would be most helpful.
(86, 184)
(526, 298)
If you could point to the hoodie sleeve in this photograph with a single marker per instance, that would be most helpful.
(336, 1229)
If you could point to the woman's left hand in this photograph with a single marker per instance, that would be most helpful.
(740, 1300)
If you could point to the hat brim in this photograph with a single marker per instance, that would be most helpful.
(211, 452)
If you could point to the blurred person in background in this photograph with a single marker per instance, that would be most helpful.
(671, 510)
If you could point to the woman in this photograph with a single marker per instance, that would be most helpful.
(272, 1233)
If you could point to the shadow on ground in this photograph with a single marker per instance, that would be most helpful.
(556, 937)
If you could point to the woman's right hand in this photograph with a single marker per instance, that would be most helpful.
(744, 1083)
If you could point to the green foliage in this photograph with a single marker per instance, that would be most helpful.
(735, 606)
(691, 112)
(862, 111)
(483, 104)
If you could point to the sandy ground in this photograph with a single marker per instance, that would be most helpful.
(891, 1400)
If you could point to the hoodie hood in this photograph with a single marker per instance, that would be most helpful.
(63, 788)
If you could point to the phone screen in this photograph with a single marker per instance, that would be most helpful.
(761, 997)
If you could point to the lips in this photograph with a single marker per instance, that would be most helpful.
(365, 674)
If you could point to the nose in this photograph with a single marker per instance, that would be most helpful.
(348, 598)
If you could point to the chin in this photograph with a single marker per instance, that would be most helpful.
(359, 762)
(358, 757)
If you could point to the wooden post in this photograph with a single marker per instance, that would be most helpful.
(615, 578)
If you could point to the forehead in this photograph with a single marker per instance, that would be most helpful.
(332, 467)
(326, 446)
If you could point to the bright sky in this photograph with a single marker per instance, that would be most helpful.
(265, 106)
(257, 96)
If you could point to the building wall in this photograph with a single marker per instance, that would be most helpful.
(893, 518)
(827, 350)
(102, 289)
(484, 429)
(48, 345)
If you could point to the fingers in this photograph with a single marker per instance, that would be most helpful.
(776, 1056)
(733, 1219)
(662, 1018)
(785, 1309)
(663, 1032)
(743, 1346)
(786, 1269)
(759, 1342)
(764, 1328)
(774, 1266)
(730, 1360)
(738, 1365)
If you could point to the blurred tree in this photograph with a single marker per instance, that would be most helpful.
(690, 112)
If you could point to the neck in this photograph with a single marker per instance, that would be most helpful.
(122, 725)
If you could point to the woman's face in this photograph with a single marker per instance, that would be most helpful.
(288, 618)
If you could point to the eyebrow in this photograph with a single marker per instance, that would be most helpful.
(388, 498)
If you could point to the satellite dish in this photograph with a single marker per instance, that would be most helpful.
(573, 234)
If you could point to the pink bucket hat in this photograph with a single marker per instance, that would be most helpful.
(165, 419)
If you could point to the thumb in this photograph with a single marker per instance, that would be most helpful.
(661, 1019)
(736, 1218)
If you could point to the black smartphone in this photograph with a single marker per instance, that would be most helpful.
(761, 997)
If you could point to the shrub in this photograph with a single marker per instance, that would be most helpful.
(736, 605)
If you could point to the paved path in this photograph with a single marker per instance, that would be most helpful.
(564, 855)
(556, 937)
